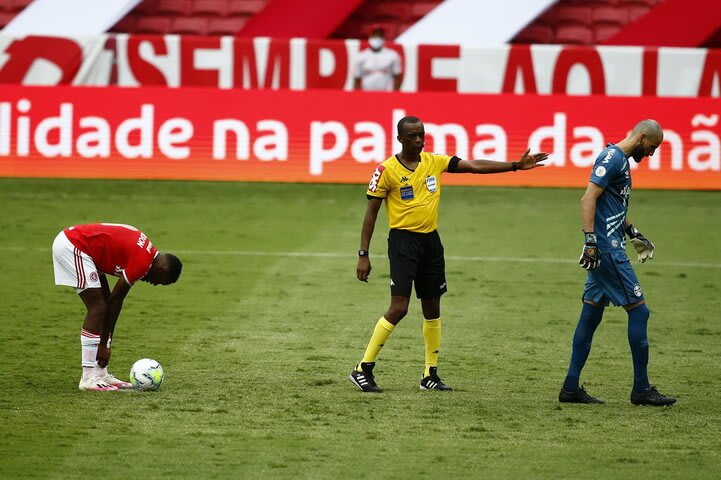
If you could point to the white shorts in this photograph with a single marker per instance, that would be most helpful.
(73, 268)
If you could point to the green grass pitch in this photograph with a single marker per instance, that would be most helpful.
(259, 335)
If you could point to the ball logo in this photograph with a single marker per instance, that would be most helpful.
(93, 276)
(600, 171)
(637, 290)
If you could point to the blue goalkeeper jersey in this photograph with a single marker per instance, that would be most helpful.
(612, 173)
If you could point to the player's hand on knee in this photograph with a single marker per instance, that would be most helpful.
(643, 246)
(590, 256)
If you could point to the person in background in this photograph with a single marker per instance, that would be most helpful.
(377, 68)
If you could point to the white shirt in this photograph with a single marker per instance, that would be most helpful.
(377, 69)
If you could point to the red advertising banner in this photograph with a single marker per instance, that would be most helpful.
(337, 136)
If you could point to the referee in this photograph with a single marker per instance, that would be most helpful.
(410, 184)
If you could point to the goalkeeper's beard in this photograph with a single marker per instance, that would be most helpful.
(638, 154)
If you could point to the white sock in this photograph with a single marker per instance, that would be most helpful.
(89, 347)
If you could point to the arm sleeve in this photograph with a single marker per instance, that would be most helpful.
(604, 170)
(138, 266)
(377, 187)
(441, 162)
(453, 165)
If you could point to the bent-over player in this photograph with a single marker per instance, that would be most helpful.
(82, 256)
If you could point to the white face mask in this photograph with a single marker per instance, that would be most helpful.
(376, 42)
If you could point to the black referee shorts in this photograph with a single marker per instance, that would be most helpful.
(416, 258)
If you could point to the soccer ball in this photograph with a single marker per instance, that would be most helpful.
(146, 374)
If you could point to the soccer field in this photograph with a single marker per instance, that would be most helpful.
(258, 337)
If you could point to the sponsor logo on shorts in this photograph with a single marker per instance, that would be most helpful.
(94, 276)
(637, 290)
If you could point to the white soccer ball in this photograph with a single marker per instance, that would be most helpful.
(146, 374)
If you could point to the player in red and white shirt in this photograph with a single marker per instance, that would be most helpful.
(82, 257)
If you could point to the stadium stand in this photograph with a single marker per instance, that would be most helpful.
(574, 34)
(152, 25)
(5, 18)
(579, 22)
(538, 33)
(190, 25)
(421, 9)
(584, 22)
(395, 16)
(571, 15)
(609, 16)
(173, 8)
(226, 26)
(192, 17)
(196, 17)
(603, 32)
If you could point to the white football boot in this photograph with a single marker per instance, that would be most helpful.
(95, 384)
(116, 382)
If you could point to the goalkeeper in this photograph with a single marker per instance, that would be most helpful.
(610, 275)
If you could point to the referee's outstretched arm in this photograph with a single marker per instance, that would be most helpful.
(526, 162)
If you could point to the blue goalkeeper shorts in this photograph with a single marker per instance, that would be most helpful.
(614, 280)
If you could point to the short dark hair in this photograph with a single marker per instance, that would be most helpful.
(175, 266)
(404, 120)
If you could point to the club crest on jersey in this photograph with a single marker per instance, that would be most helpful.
(407, 192)
(431, 184)
(600, 171)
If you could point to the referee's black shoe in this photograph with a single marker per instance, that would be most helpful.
(580, 395)
(651, 396)
(433, 381)
(364, 379)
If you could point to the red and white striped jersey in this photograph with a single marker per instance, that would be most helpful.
(116, 249)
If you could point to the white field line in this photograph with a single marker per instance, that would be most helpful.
(455, 258)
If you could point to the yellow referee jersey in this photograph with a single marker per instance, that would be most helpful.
(412, 197)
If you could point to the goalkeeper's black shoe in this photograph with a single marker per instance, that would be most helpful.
(580, 395)
(364, 379)
(651, 396)
(433, 381)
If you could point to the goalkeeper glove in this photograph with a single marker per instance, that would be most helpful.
(643, 245)
(590, 256)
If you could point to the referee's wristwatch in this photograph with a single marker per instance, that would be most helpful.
(362, 253)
